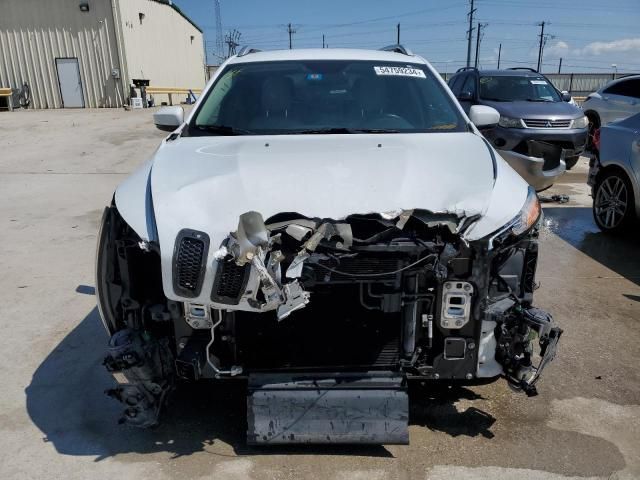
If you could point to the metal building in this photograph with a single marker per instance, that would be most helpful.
(85, 53)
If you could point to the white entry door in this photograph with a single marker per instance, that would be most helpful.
(70, 82)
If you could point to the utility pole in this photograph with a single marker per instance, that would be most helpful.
(540, 47)
(323, 41)
(470, 33)
(398, 28)
(560, 65)
(499, 53)
(291, 32)
(478, 40)
(232, 39)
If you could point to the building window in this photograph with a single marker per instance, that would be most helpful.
(192, 38)
(84, 6)
(141, 17)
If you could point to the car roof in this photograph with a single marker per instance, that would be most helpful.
(327, 54)
(618, 80)
(510, 73)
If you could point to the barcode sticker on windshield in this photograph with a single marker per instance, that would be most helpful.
(538, 82)
(400, 71)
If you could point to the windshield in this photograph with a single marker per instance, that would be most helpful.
(517, 88)
(328, 96)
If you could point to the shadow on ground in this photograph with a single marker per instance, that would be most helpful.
(616, 252)
(66, 401)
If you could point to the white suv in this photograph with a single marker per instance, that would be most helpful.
(326, 224)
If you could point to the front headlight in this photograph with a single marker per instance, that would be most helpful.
(581, 122)
(528, 215)
(521, 223)
(508, 122)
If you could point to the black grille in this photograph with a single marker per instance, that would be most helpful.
(188, 262)
(362, 267)
(230, 282)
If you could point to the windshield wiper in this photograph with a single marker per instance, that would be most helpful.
(375, 130)
(223, 130)
(341, 130)
(494, 99)
(538, 100)
(320, 131)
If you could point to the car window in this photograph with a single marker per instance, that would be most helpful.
(456, 83)
(628, 88)
(325, 96)
(511, 88)
(469, 85)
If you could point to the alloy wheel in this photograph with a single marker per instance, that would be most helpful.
(611, 202)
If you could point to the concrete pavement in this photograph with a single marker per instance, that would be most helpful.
(58, 170)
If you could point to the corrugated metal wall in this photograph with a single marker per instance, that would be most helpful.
(33, 33)
(161, 46)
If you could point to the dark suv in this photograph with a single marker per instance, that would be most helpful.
(540, 134)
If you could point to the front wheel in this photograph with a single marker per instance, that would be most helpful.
(613, 203)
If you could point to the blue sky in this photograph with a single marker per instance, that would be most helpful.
(590, 35)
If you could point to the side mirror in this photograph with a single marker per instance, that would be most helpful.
(465, 96)
(566, 96)
(483, 116)
(168, 118)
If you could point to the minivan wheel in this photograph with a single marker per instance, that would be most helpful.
(613, 204)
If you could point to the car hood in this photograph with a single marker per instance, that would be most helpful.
(559, 110)
(206, 183)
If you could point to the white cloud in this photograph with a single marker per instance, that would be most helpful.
(558, 49)
(624, 45)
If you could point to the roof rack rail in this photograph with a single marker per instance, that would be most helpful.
(465, 68)
(524, 68)
(246, 50)
(397, 48)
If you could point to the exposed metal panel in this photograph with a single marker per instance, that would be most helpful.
(33, 34)
(161, 45)
(363, 408)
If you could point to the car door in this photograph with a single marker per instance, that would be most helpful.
(622, 99)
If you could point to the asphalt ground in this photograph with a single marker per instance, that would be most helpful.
(58, 169)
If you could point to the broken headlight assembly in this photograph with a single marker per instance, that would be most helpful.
(524, 221)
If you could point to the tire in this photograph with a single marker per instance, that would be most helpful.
(613, 202)
(571, 161)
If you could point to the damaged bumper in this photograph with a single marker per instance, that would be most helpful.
(534, 168)
(373, 299)
(540, 156)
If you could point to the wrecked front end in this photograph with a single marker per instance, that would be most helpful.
(324, 317)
